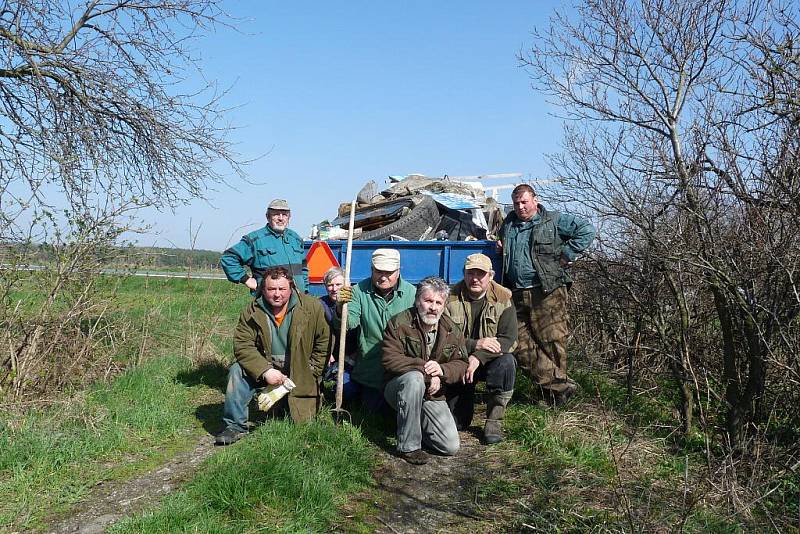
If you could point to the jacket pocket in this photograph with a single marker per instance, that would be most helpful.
(413, 347)
(460, 321)
(264, 257)
(450, 352)
(545, 244)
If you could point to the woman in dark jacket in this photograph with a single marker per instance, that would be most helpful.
(333, 280)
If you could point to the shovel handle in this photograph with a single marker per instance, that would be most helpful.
(343, 327)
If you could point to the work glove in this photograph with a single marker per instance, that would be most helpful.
(345, 295)
(268, 399)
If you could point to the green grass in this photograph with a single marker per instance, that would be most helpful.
(551, 440)
(282, 478)
(644, 409)
(183, 314)
(705, 520)
(160, 315)
(558, 440)
(176, 344)
(499, 488)
(52, 457)
(175, 337)
(566, 475)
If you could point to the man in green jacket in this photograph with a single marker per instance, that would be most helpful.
(423, 356)
(538, 246)
(371, 303)
(483, 311)
(275, 245)
(281, 334)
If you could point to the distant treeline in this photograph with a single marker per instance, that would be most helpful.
(170, 257)
(155, 257)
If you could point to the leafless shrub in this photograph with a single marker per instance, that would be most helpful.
(683, 142)
(95, 123)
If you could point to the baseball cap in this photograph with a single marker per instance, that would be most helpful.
(386, 259)
(478, 261)
(278, 204)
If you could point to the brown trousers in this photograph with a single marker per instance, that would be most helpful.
(543, 332)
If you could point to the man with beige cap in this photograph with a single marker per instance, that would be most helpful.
(275, 245)
(484, 313)
(371, 303)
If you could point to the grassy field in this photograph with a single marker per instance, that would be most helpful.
(602, 464)
(177, 348)
(289, 479)
(591, 468)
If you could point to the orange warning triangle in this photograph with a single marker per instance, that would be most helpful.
(319, 259)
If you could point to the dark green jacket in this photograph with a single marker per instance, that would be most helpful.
(550, 236)
(404, 349)
(307, 349)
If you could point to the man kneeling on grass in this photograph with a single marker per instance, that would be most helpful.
(423, 353)
(281, 335)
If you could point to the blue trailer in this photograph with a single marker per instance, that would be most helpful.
(418, 259)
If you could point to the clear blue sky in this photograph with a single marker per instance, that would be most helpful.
(333, 94)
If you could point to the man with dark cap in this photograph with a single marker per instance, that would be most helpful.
(484, 313)
(538, 247)
(275, 245)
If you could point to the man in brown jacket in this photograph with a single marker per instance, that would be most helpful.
(485, 314)
(281, 334)
(423, 355)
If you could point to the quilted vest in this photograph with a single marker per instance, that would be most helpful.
(546, 246)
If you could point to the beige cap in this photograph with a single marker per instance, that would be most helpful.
(278, 204)
(478, 261)
(386, 259)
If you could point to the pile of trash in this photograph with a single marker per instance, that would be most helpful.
(419, 208)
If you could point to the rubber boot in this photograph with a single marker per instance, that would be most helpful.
(561, 398)
(495, 411)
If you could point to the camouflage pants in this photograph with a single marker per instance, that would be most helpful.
(543, 332)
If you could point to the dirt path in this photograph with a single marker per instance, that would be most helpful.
(438, 496)
(110, 502)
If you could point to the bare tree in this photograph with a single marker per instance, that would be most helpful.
(103, 111)
(684, 142)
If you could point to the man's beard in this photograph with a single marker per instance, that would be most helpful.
(429, 320)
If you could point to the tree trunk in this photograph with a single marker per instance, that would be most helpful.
(680, 364)
(633, 351)
(730, 371)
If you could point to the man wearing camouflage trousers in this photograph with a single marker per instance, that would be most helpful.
(538, 246)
